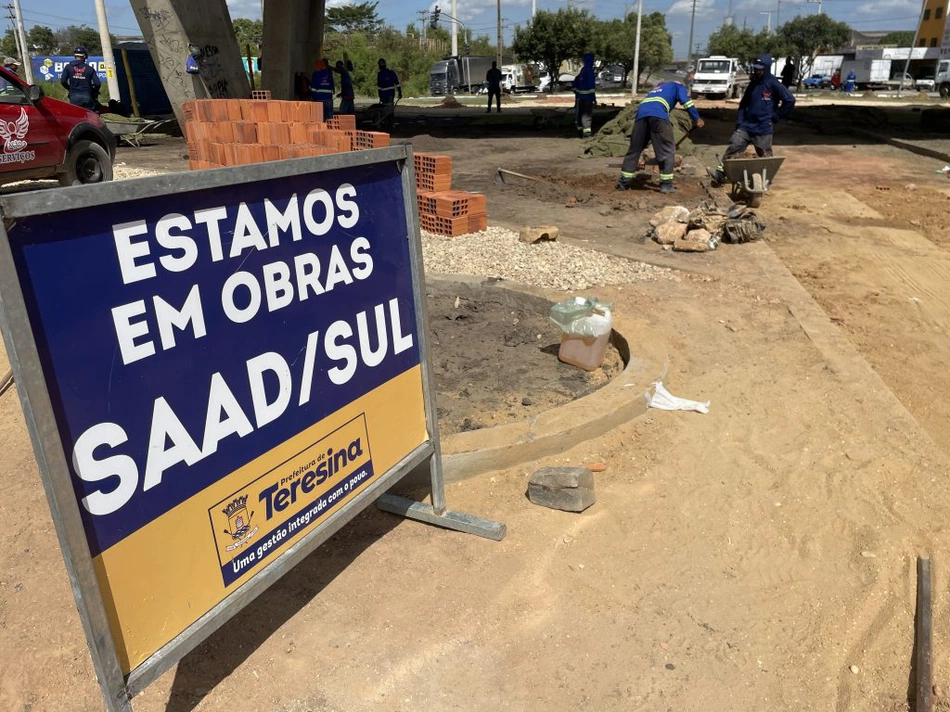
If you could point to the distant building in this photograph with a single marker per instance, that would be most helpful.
(930, 33)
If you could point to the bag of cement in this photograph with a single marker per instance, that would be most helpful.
(579, 316)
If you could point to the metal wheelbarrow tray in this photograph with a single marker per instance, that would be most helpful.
(751, 177)
(132, 132)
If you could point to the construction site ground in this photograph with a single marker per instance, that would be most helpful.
(761, 556)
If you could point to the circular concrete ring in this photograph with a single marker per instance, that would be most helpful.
(475, 452)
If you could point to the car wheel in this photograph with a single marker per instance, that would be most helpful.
(86, 162)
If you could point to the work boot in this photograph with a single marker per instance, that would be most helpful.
(717, 175)
(623, 184)
(667, 187)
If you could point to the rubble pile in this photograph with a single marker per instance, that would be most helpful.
(700, 230)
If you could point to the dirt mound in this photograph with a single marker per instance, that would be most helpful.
(495, 364)
(613, 138)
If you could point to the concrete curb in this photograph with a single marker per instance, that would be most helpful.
(555, 431)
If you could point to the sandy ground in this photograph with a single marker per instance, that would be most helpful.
(758, 557)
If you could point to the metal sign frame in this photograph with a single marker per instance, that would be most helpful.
(52, 460)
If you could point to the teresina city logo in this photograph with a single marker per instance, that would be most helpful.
(13, 134)
(239, 521)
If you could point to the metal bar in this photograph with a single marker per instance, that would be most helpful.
(128, 78)
(447, 519)
(924, 636)
(54, 474)
(437, 480)
(193, 635)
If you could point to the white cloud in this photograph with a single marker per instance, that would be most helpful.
(250, 9)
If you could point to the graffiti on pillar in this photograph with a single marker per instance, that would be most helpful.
(158, 18)
(212, 72)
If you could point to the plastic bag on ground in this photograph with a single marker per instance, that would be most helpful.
(579, 316)
(662, 399)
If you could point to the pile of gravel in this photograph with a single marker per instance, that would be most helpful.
(497, 252)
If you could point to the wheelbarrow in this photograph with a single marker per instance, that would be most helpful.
(751, 177)
(132, 132)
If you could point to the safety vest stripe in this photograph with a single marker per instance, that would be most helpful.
(688, 104)
(625, 174)
(666, 176)
(382, 88)
(322, 91)
(659, 100)
(584, 91)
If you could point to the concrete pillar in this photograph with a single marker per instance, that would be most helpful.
(293, 38)
(170, 26)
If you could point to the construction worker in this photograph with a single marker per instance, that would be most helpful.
(321, 87)
(346, 87)
(850, 81)
(653, 124)
(764, 102)
(584, 96)
(81, 81)
(493, 79)
(387, 84)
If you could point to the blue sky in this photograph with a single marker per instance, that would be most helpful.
(480, 15)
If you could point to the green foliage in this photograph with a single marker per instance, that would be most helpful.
(656, 44)
(551, 38)
(41, 39)
(740, 43)
(616, 43)
(68, 38)
(904, 38)
(805, 37)
(248, 32)
(357, 17)
(8, 45)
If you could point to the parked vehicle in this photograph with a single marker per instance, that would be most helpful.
(458, 74)
(719, 77)
(894, 82)
(817, 81)
(925, 80)
(942, 78)
(47, 138)
(877, 73)
(515, 79)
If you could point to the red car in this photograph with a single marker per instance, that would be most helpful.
(41, 137)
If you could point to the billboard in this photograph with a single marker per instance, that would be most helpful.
(49, 68)
(218, 371)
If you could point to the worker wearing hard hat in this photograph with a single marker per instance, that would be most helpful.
(81, 81)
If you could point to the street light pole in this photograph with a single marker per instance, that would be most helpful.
(25, 48)
(689, 47)
(455, 28)
(636, 49)
(107, 55)
(769, 26)
(498, 47)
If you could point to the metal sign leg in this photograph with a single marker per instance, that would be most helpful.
(447, 519)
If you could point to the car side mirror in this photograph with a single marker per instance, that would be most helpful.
(35, 92)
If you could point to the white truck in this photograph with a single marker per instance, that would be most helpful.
(719, 77)
(942, 78)
(515, 78)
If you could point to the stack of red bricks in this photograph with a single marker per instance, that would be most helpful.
(444, 211)
(232, 132)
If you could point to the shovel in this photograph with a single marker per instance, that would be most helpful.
(502, 172)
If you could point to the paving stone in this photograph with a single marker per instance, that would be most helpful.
(568, 488)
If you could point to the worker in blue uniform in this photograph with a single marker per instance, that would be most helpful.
(850, 82)
(81, 81)
(321, 87)
(765, 101)
(653, 123)
(387, 85)
(584, 96)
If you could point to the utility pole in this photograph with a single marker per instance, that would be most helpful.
(11, 16)
(636, 49)
(24, 47)
(818, 2)
(689, 47)
(424, 19)
(534, 8)
(107, 55)
(455, 28)
(500, 39)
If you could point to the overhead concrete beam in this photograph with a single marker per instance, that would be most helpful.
(293, 39)
(170, 26)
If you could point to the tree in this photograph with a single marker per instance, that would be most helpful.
(248, 32)
(68, 38)
(551, 38)
(41, 39)
(904, 38)
(806, 37)
(656, 44)
(8, 45)
(358, 17)
(742, 44)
